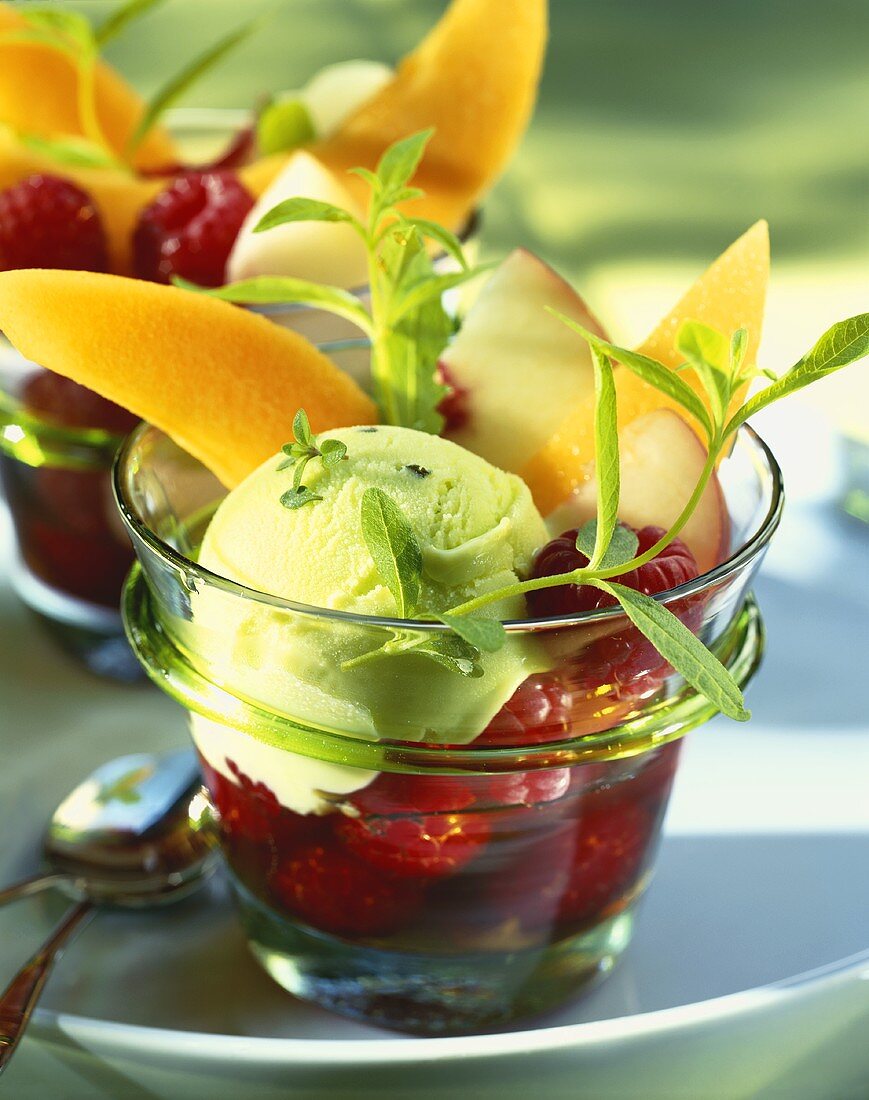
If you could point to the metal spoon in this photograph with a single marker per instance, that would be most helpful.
(123, 838)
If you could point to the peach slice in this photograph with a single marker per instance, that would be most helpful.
(324, 252)
(661, 461)
(474, 79)
(119, 196)
(520, 366)
(729, 295)
(38, 87)
(223, 382)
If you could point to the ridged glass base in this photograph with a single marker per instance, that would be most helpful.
(430, 994)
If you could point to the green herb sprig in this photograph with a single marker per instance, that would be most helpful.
(406, 322)
(397, 557)
(721, 366)
(72, 34)
(300, 453)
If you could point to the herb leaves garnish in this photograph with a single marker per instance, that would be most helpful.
(397, 557)
(721, 368)
(299, 454)
(393, 547)
(406, 323)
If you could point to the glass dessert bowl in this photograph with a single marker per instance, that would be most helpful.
(434, 876)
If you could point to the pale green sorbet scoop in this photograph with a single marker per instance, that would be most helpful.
(478, 530)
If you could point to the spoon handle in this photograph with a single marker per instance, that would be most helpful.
(19, 999)
(33, 885)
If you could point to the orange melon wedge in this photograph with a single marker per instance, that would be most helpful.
(223, 382)
(474, 79)
(731, 294)
(38, 88)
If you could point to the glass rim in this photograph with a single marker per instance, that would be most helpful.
(735, 561)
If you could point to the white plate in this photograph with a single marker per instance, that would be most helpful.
(748, 977)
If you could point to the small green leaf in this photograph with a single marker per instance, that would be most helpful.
(448, 241)
(696, 340)
(452, 653)
(622, 547)
(393, 548)
(406, 194)
(369, 177)
(708, 352)
(283, 290)
(846, 342)
(738, 348)
(75, 151)
(606, 449)
(302, 429)
(299, 472)
(174, 88)
(677, 645)
(298, 497)
(332, 451)
(487, 635)
(425, 290)
(121, 17)
(399, 163)
(304, 210)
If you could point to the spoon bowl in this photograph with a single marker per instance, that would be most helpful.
(131, 835)
(125, 835)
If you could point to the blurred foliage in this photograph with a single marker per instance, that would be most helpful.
(664, 128)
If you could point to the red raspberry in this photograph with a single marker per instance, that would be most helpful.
(46, 221)
(453, 406)
(334, 892)
(673, 566)
(190, 228)
(575, 874)
(392, 793)
(416, 847)
(611, 843)
(246, 809)
(538, 711)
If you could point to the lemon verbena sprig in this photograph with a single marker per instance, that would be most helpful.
(72, 34)
(405, 322)
(299, 453)
(723, 370)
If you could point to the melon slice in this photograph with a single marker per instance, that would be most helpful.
(474, 79)
(38, 95)
(224, 383)
(729, 295)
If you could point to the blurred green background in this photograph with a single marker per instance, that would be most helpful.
(664, 128)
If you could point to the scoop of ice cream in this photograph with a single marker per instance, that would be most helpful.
(478, 530)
